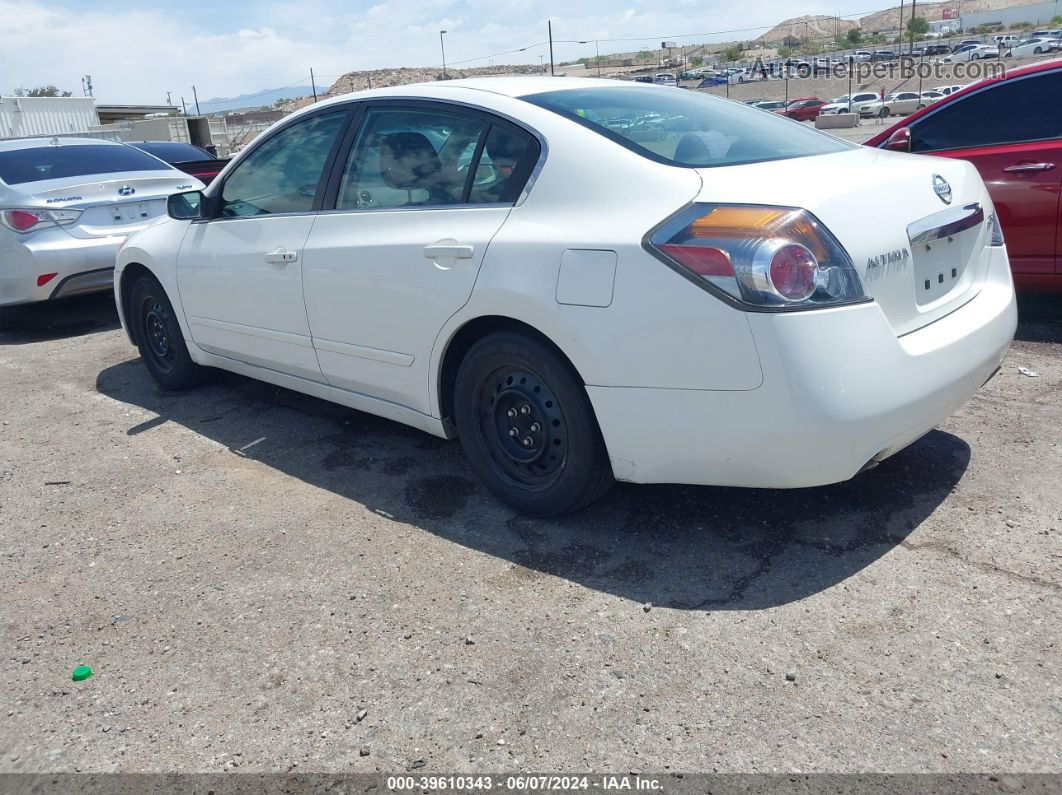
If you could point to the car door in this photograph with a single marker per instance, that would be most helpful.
(240, 271)
(1015, 140)
(415, 198)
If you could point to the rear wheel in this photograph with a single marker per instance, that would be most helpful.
(159, 338)
(9, 317)
(527, 427)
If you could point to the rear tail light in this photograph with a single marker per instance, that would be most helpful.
(995, 231)
(30, 219)
(775, 258)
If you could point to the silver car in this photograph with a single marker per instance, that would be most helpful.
(66, 205)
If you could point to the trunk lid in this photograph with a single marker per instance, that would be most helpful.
(111, 206)
(883, 208)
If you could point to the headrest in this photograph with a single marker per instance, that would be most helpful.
(408, 161)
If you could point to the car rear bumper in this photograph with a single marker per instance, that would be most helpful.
(80, 266)
(840, 391)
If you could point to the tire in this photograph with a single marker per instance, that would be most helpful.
(158, 336)
(9, 317)
(1038, 51)
(556, 462)
(791, 116)
(885, 113)
(920, 107)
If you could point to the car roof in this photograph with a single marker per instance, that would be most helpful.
(473, 89)
(36, 143)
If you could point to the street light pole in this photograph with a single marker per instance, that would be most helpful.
(442, 47)
(549, 26)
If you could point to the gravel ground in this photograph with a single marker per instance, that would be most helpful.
(265, 581)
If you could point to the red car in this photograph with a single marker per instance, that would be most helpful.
(803, 109)
(1010, 128)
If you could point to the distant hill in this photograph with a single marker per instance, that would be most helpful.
(255, 100)
(825, 27)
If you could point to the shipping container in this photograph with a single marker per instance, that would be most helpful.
(22, 117)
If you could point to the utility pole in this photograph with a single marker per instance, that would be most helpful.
(168, 100)
(184, 107)
(443, 48)
(851, 68)
(901, 27)
(549, 25)
(195, 96)
(914, 4)
(313, 85)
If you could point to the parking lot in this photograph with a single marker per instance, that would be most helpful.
(264, 581)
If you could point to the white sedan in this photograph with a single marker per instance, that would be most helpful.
(974, 53)
(66, 204)
(843, 104)
(899, 103)
(1033, 47)
(769, 306)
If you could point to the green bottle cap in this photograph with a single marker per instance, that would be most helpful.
(81, 673)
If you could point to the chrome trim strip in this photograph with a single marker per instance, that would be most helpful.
(945, 224)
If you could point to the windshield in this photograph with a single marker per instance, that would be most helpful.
(685, 128)
(37, 163)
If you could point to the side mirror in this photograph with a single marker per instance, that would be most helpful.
(185, 206)
(899, 141)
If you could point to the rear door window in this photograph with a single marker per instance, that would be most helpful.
(38, 163)
(430, 156)
(975, 120)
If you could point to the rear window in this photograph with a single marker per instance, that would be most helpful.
(39, 163)
(685, 128)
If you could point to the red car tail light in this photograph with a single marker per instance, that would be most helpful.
(23, 220)
(29, 219)
(769, 258)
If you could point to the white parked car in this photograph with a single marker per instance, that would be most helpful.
(1033, 47)
(899, 103)
(842, 104)
(973, 53)
(66, 204)
(468, 258)
(947, 90)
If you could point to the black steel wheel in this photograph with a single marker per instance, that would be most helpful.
(527, 427)
(159, 338)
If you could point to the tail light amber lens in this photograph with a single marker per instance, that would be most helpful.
(765, 257)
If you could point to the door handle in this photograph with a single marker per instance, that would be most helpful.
(1025, 168)
(444, 251)
(281, 256)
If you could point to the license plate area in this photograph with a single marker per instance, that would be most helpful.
(132, 212)
(942, 245)
(939, 268)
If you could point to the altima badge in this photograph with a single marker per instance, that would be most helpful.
(129, 190)
(942, 188)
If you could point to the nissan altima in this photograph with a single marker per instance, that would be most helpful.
(66, 204)
(586, 281)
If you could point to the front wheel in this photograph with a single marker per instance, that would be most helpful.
(527, 426)
(1038, 51)
(159, 338)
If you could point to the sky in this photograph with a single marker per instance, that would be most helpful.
(136, 52)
